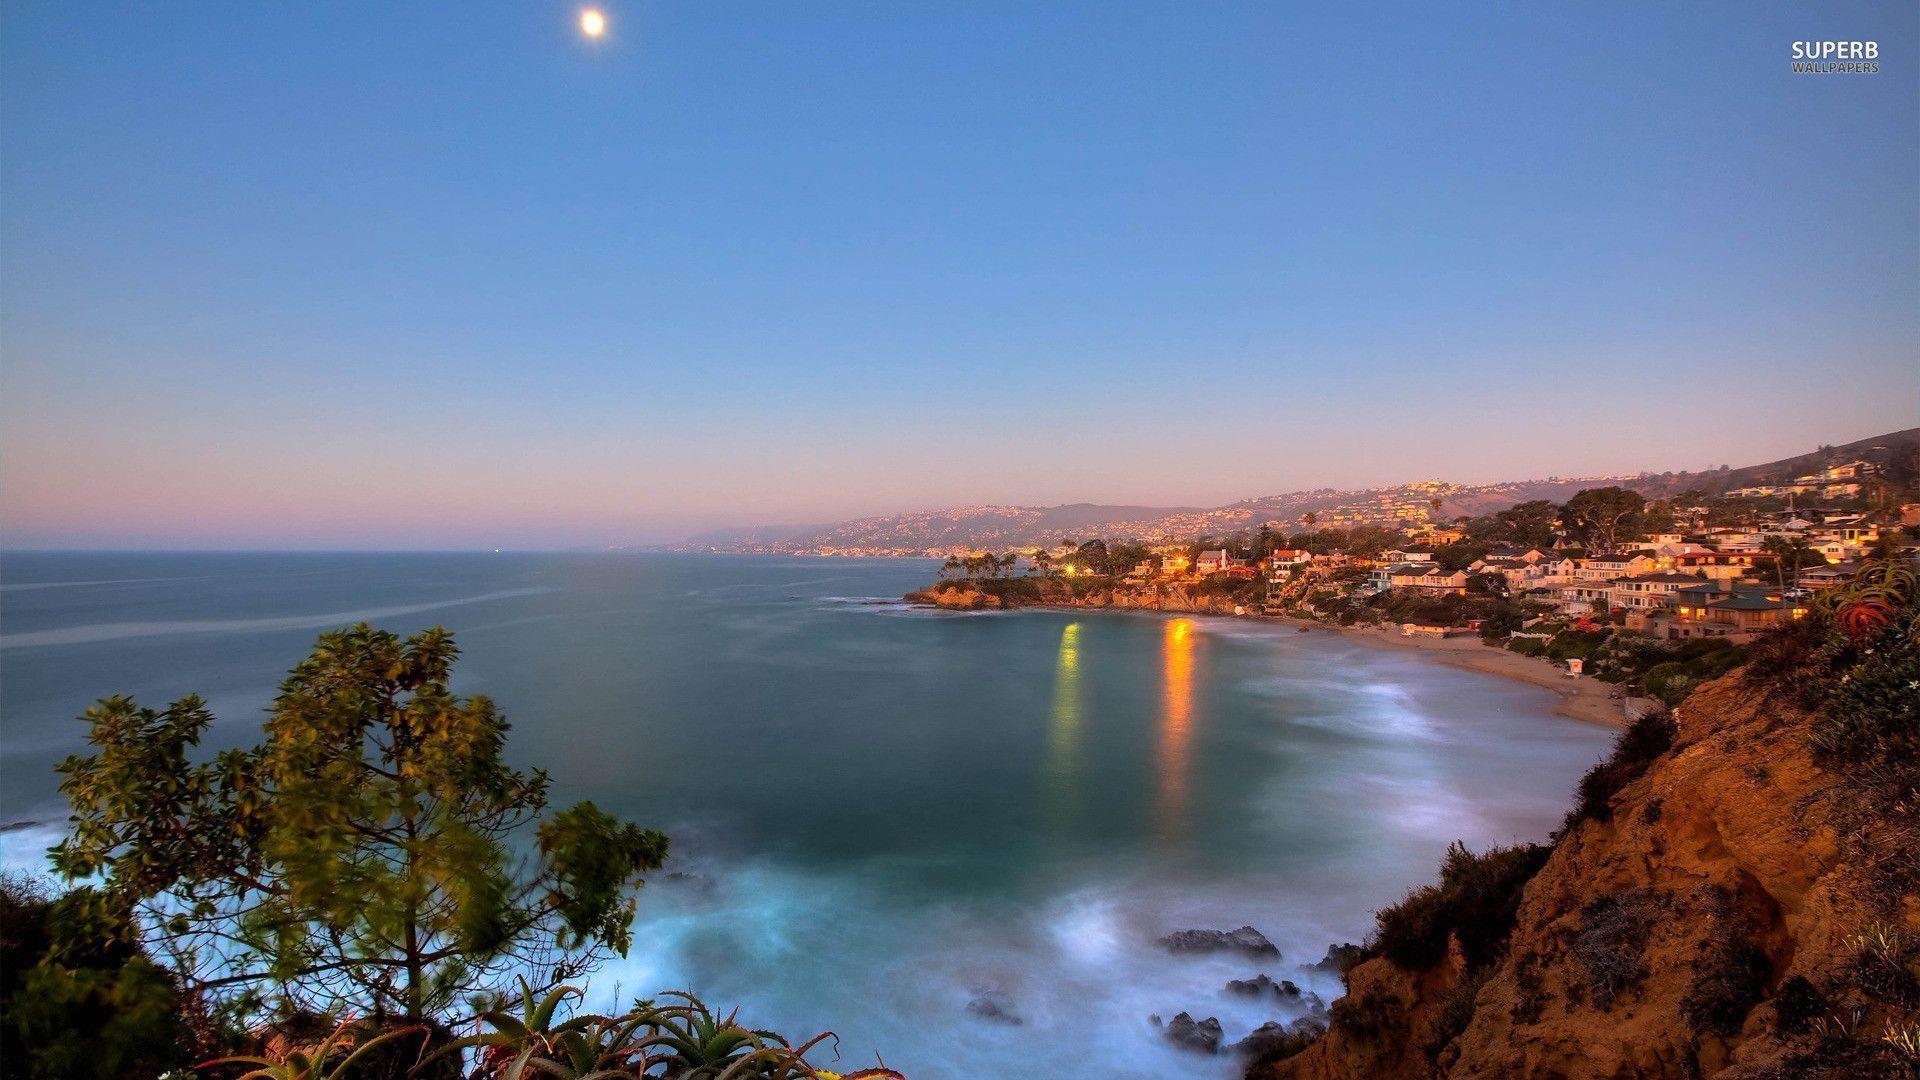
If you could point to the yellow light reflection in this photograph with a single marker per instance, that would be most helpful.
(1063, 726)
(1176, 720)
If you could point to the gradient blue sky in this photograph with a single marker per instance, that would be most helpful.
(397, 275)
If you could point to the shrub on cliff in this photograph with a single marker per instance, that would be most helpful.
(1611, 946)
(1476, 901)
(1634, 752)
(97, 1007)
(1854, 660)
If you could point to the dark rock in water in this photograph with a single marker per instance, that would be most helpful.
(1187, 1033)
(1246, 940)
(1262, 985)
(1316, 1004)
(1274, 1037)
(1340, 958)
(1258, 986)
(996, 1006)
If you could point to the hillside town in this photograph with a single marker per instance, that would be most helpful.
(1659, 594)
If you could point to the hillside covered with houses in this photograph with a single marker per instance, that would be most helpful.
(1658, 594)
(1852, 474)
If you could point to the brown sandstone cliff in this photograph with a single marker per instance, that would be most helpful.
(1742, 911)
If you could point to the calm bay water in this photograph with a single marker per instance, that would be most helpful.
(880, 812)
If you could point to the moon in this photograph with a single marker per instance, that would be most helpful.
(592, 22)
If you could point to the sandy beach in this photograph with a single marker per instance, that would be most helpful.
(1581, 698)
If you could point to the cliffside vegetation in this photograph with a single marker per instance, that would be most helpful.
(1735, 893)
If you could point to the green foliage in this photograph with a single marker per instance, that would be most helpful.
(1698, 661)
(1855, 661)
(360, 859)
(1529, 523)
(1476, 902)
(1576, 644)
(1600, 515)
(682, 1039)
(1639, 745)
(1451, 557)
(100, 1009)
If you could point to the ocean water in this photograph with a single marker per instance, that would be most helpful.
(878, 812)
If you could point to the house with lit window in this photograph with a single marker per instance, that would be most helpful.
(1215, 561)
(1285, 561)
(1608, 567)
(1724, 609)
(1426, 578)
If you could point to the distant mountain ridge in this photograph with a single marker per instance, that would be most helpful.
(997, 528)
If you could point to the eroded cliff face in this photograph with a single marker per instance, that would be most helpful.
(1742, 912)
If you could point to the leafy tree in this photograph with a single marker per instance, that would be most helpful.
(1451, 557)
(1125, 556)
(1092, 556)
(1529, 523)
(362, 858)
(1600, 514)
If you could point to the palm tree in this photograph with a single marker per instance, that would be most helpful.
(1310, 518)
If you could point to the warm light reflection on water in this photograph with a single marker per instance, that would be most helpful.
(1176, 718)
(1063, 727)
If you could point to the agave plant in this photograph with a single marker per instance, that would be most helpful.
(701, 1045)
(535, 1043)
(311, 1062)
(681, 1040)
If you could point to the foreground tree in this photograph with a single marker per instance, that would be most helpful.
(368, 857)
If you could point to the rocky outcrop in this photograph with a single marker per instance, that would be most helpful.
(994, 594)
(1729, 917)
(1244, 940)
(1187, 1033)
(995, 1005)
(1263, 986)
